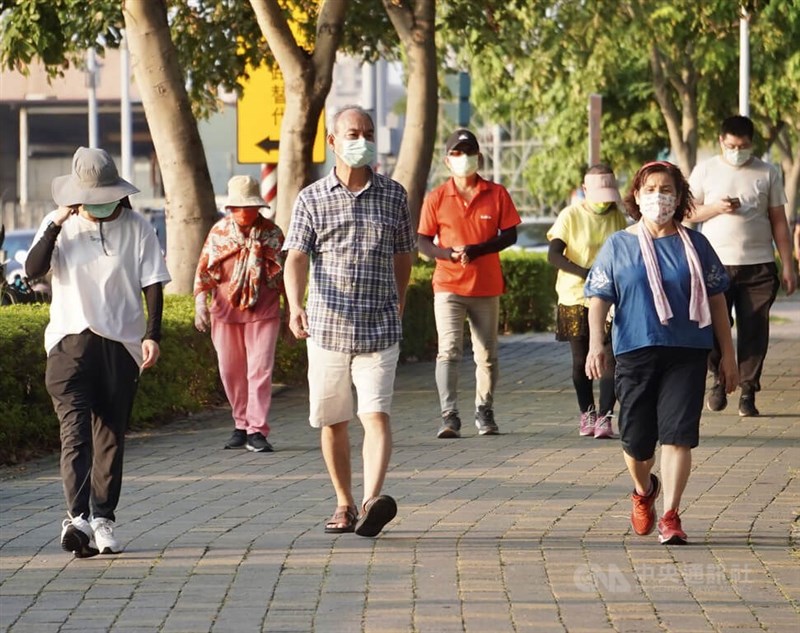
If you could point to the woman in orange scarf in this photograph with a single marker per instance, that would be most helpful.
(240, 267)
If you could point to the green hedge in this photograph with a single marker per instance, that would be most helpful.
(530, 299)
(186, 377)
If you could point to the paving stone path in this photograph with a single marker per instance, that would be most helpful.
(526, 531)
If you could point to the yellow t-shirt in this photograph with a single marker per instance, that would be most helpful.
(584, 232)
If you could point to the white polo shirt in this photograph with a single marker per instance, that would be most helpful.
(99, 270)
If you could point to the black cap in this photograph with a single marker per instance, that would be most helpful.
(463, 140)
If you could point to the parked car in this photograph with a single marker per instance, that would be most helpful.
(15, 246)
(16, 287)
(532, 235)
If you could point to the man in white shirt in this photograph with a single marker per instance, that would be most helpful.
(103, 257)
(740, 201)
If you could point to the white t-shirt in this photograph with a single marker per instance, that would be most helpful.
(99, 270)
(744, 236)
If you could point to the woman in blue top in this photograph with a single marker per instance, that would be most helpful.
(667, 285)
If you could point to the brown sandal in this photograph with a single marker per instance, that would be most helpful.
(342, 521)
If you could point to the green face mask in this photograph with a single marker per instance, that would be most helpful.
(600, 207)
(101, 211)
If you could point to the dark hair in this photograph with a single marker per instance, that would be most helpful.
(600, 168)
(737, 125)
(685, 204)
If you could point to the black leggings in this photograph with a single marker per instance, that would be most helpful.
(583, 385)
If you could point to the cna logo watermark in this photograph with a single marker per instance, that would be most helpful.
(590, 578)
(611, 579)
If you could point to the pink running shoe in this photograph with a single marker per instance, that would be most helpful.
(603, 429)
(588, 420)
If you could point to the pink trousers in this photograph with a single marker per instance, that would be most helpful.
(246, 355)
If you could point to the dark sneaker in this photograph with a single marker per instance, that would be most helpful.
(643, 513)
(451, 426)
(670, 531)
(258, 444)
(237, 440)
(747, 406)
(77, 537)
(717, 399)
(484, 420)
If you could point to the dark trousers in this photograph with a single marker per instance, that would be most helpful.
(579, 346)
(751, 293)
(92, 382)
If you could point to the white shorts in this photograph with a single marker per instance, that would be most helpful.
(331, 376)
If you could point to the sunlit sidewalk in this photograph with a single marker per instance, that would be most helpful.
(525, 531)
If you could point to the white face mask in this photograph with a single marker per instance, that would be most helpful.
(737, 157)
(357, 152)
(657, 207)
(463, 165)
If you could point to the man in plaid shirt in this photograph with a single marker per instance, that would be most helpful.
(355, 229)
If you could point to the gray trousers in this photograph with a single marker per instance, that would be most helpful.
(483, 314)
(92, 382)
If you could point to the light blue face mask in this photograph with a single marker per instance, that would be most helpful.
(357, 152)
(101, 211)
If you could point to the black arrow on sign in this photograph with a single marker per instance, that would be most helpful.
(268, 144)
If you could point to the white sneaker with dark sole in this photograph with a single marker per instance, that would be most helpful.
(77, 537)
(107, 543)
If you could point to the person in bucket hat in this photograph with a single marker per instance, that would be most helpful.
(241, 269)
(103, 256)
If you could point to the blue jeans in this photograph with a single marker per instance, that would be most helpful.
(483, 314)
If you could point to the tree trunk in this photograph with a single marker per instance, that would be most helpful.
(416, 27)
(790, 162)
(681, 124)
(190, 207)
(307, 82)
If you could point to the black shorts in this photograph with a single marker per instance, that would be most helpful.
(660, 392)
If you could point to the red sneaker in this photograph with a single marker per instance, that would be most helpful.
(643, 514)
(670, 531)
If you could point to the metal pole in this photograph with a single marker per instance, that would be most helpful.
(497, 170)
(380, 107)
(23, 157)
(368, 89)
(91, 80)
(125, 118)
(595, 109)
(744, 63)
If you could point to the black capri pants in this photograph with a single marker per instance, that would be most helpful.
(660, 392)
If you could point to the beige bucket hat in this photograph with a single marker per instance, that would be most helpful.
(94, 180)
(243, 191)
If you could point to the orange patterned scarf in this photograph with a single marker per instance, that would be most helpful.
(257, 256)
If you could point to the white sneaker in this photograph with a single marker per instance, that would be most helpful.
(104, 536)
(77, 537)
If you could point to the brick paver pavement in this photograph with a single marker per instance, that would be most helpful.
(526, 531)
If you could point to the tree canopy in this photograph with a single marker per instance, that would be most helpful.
(667, 71)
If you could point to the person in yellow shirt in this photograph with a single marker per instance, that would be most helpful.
(575, 239)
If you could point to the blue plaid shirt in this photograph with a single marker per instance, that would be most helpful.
(351, 239)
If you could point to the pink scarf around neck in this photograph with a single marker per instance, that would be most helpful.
(699, 309)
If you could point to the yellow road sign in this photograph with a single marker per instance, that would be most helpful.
(259, 113)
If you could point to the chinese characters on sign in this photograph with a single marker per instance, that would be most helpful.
(259, 115)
